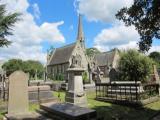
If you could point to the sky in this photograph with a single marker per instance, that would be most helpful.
(46, 23)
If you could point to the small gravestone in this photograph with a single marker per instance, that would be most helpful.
(113, 75)
(18, 97)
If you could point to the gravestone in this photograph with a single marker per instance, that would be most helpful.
(18, 98)
(113, 75)
(75, 93)
(18, 93)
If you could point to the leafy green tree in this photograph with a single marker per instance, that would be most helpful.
(12, 65)
(145, 16)
(92, 51)
(32, 67)
(156, 57)
(7, 21)
(135, 66)
(50, 50)
(85, 77)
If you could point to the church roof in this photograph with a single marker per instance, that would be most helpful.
(62, 54)
(105, 58)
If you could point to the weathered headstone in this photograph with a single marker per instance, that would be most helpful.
(18, 98)
(18, 93)
(76, 94)
(112, 75)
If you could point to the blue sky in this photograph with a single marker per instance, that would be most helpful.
(54, 23)
(65, 10)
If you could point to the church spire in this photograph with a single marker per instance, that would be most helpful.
(80, 35)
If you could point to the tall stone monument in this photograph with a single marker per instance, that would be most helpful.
(75, 93)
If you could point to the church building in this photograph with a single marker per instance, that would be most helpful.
(61, 59)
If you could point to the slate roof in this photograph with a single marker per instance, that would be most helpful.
(105, 58)
(62, 54)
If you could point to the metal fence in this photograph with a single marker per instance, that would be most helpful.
(125, 92)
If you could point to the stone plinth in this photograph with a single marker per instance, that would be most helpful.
(75, 93)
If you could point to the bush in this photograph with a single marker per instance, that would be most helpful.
(85, 77)
(134, 66)
(59, 77)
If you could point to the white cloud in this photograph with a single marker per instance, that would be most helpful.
(101, 10)
(117, 36)
(28, 36)
(36, 10)
(155, 48)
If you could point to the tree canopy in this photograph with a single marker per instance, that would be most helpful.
(135, 66)
(7, 21)
(92, 51)
(156, 57)
(145, 16)
(32, 67)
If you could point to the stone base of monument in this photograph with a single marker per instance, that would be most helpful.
(66, 111)
(25, 116)
(78, 99)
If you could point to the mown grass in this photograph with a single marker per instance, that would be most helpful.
(109, 111)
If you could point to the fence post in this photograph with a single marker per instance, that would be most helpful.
(38, 94)
(136, 92)
(96, 90)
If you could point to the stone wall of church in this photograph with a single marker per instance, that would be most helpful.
(58, 70)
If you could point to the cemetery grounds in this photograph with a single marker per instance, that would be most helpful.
(106, 110)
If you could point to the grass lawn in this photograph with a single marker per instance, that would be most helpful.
(108, 111)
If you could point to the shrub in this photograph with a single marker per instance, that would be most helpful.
(59, 77)
(85, 77)
(134, 66)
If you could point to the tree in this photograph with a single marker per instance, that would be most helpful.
(12, 65)
(156, 57)
(32, 67)
(7, 21)
(145, 16)
(50, 50)
(92, 51)
(134, 66)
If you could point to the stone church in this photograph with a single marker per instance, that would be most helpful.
(61, 59)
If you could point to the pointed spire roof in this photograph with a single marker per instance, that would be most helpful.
(80, 35)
